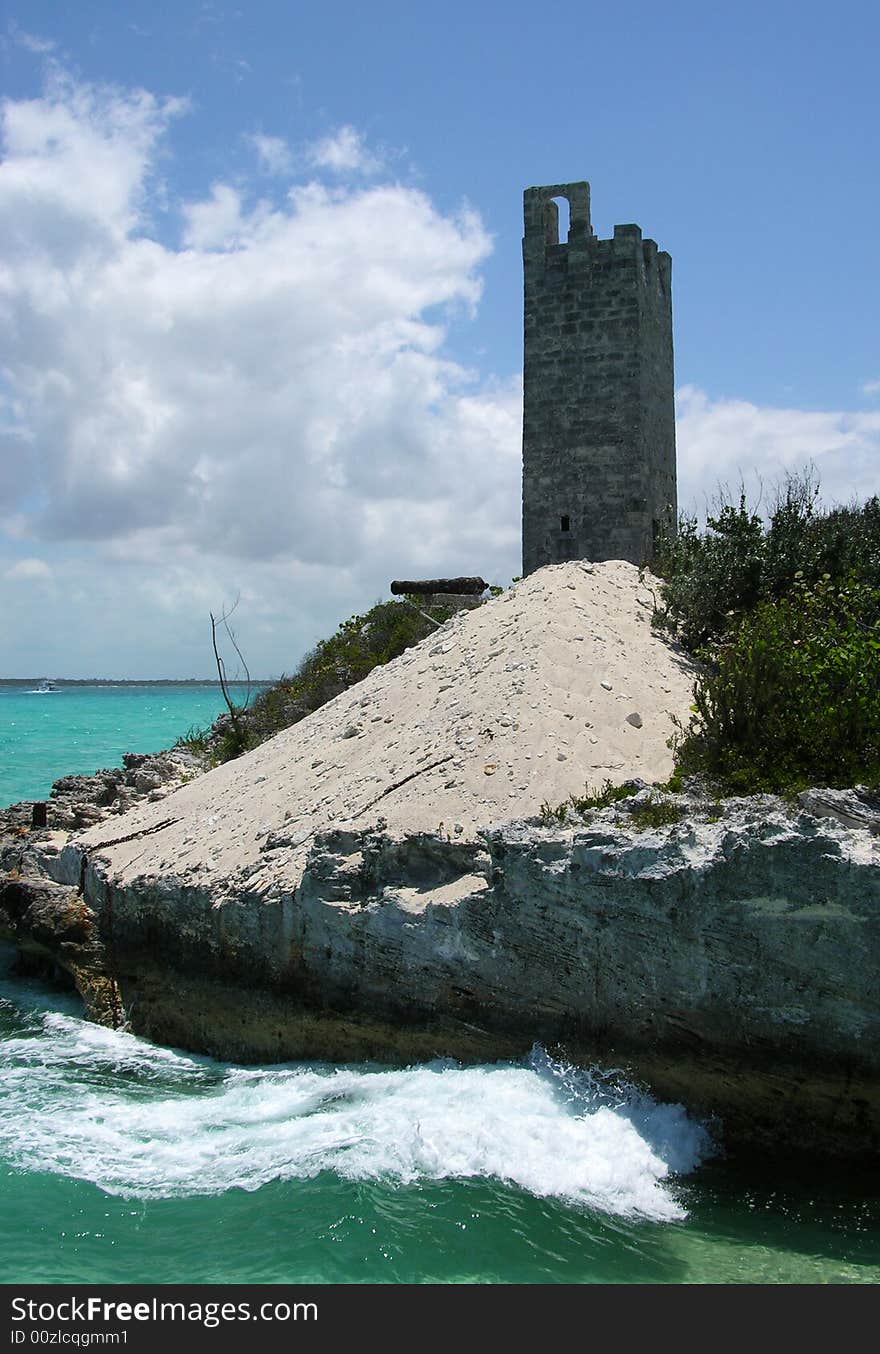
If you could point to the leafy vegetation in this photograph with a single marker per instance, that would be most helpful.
(195, 740)
(712, 578)
(785, 618)
(590, 801)
(656, 813)
(793, 697)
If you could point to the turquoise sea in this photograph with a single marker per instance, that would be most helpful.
(121, 1161)
(83, 727)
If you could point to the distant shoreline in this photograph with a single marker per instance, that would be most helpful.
(133, 681)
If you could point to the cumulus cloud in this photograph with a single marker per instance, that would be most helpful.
(77, 164)
(728, 441)
(269, 399)
(344, 152)
(216, 222)
(273, 153)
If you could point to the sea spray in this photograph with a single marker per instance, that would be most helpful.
(143, 1122)
(130, 1163)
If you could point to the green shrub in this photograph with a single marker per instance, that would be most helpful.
(603, 798)
(551, 815)
(237, 737)
(790, 697)
(708, 577)
(783, 616)
(195, 740)
(655, 813)
(712, 578)
(593, 800)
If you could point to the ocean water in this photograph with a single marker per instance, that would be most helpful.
(121, 1161)
(83, 728)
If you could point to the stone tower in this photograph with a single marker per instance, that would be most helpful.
(598, 416)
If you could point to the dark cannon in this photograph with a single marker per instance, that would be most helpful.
(460, 587)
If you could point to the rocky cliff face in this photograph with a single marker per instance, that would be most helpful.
(728, 960)
(376, 882)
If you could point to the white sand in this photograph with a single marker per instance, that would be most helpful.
(521, 701)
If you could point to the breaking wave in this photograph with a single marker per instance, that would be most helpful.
(140, 1121)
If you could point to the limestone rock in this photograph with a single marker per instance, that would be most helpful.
(337, 897)
(730, 963)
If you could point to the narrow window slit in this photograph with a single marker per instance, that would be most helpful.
(563, 209)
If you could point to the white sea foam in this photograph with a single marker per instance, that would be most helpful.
(146, 1122)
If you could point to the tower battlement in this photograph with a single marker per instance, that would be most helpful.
(598, 414)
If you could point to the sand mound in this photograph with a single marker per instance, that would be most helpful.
(558, 683)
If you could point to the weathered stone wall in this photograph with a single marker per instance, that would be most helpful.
(455, 601)
(598, 415)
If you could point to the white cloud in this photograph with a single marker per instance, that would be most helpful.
(216, 222)
(29, 571)
(723, 441)
(273, 153)
(265, 408)
(344, 152)
(77, 164)
(31, 42)
(871, 388)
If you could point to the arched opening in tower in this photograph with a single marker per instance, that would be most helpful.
(563, 219)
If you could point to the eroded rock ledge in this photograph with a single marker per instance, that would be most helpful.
(375, 882)
(729, 961)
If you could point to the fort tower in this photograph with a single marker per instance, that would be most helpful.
(598, 416)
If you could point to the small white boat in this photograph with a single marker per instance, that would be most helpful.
(45, 687)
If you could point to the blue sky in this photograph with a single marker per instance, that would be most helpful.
(260, 300)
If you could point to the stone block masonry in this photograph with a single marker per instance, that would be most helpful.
(599, 477)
